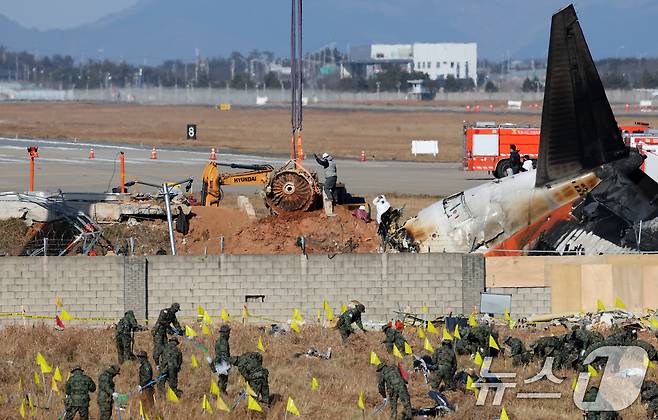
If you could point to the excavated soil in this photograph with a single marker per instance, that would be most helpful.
(278, 234)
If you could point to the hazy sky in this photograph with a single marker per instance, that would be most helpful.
(50, 14)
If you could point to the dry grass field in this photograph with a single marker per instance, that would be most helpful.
(340, 379)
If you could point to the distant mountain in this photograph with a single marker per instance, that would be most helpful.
(159, 29)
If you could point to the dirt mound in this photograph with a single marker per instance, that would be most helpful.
(278, 234)
(206, 226)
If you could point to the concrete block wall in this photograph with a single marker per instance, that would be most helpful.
(271, 285)
(527, 301)
(382, 282)
(88, 286)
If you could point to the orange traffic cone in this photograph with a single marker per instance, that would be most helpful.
(362, 157)
(92, 154)
(154, 156)
(213, 154)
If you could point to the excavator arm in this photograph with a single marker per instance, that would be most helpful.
(213, 179)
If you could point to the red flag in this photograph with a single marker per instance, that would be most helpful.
(58, 323)
(399, 325)
(403, 372)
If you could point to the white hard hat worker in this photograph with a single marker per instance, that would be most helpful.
(325, 155)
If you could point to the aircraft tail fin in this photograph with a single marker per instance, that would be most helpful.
(578, 128)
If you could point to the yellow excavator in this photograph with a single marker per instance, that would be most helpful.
(214, 179)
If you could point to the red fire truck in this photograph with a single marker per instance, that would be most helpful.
(487, 144)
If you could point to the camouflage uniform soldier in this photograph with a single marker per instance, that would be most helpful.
(393, 386)
(520, 355)
(166, 318)
(444, 366)
(393, 336)
(124, 336)
(78, 387)
(346, 319)
(250, 366)
(145, 376)
(476, 339)
(106, 391)
(597, 415)
(172, 360)
(650, 398)
(222, 354)
(545, 346)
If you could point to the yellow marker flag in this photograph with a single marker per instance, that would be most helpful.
(431, 329)
(214, 389)
(599, 305)
(343, 307)
(478, 359)
(194, 362)
(407, 348)
(421, 332)
(574, 383)
(58, 301)
(446, 335)
(314, 384)
(457, 335)
(37, 380)
(428, 345)
(65, 316)
(205, 404)
(472, 321)
(425, 309)
(45, 367)
(141, 410)
(40, 359)
(592, 372)
(507, 317)
(207, 319)
(503, 414)
(260, 345)
(205, 330)
(253, 405)
(297, 316)
(374, 359)
(224, 315)
(171, 395)
(330, 315)
(325, 305)
(221, 405)
(53, 386)
(648, 363)
(654, 322)
(245, 312)
(492, 343)
(201, 311)
(58, 375)
(294, 326)
(469, 383)
(318, 316)
(21, 410)
(362, 401)
(396, 352)
(291, 407)
(619, 304)
(189, 332)
(249, 390)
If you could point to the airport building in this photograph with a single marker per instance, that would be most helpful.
(436, 60)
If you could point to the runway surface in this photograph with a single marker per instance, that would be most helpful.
(66, 165)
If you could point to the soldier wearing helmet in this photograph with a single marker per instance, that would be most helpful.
(166, 320)
(349, 317)
(222, 355)
(106, 391)
(78, 387)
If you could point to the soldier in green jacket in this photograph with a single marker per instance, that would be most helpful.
(444, 366)
(106, 391)
(393, 337)
(393, 386)
(145, 376)
(124, 336)
(348, 317)
(78, 387)
(222, 355)
(172, 360)
(166, 320)
(250, 366)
